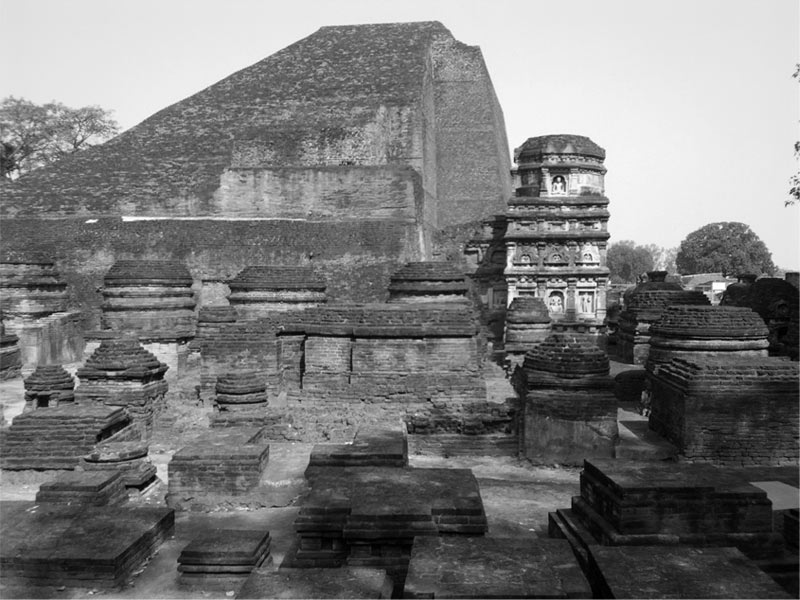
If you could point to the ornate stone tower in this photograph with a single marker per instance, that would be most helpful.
(557, 234)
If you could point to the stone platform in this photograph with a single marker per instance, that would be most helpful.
(480, 567)
(221, 466)
(371, 447)
(57, 438)
(77, 546)
(98, 488)
(223, 556)
(677, 572)
(348, 582)
(370, 517)
(645, 504)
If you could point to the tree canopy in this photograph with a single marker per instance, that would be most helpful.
(794, 180)
(33, 135)
(729, 247)
(626, 261)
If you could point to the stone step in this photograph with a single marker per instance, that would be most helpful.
(638, 442)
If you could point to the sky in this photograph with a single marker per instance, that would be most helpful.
(693, 100)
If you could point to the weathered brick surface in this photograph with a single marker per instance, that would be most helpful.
(56, 438)
(78, 546)
(740, 411)
(397, 133)
(569, 409)
(10, 356)
(93, 488)
(49, 386)
(153, 299)
(223, 463)
(627, 503)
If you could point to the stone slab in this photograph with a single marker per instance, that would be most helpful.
(480, 567)
(782, 496)
(78, 546)
(347, 582)
(677, 572)
(226, 547)
(370, 447)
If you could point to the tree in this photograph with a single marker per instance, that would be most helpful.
(663, 258)
(626, 261)
(34, 135)
(730, 248)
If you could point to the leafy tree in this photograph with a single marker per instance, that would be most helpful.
(730, 248)
(34, 135)
(626, 261)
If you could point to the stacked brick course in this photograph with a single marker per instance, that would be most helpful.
(57, 438)
(261, 290)
(241, 400)
(428, 282)
(122, 373)
(10, 356)
(569, 409)
(223, 556)
(78, 546)
(371, 516)
(152, 298)
(735, 411)
(644, 304)
(527, 323)
(129, 458)
(82, 488)
(705, 331)
(398, 135)
(49, 386)
(34, 301)
(635, 504)
(219, 466)
(380, 363)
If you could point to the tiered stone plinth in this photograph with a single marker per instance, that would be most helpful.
(223, 557)
(49, 386)
(81, 488)
(371, 447)
(241, 400)
(527, 324)
(625, 503)
(644, 304)
(429, 282)
(777, 303)
(219, 467)
(483, 567)
(10, 355)
(569, 408)
(260, 290)
(127, 458)
(152, 298)
(122, 373)
(32, 287)
(34, 302)
(737, 411)
(347, 582)
(677, 572)
(57, 438)
(371, 516)
(77, 546)
(705, 332)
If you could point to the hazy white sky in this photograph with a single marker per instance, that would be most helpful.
(693, 100)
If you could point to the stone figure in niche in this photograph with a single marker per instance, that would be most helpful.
(586, 303)
(559, 185)
(556, 302)
(525, 259)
